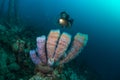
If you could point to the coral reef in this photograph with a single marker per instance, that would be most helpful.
(52, 53)
(14, 53)
(16, 63)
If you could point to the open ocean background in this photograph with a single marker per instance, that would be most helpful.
(100, 19)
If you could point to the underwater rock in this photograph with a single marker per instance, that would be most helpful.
(13, 67)
(16, 29)
(19, 46)
(11, 58)
(39, 77)
(43, 68)
(2, 28)
(3, 62)
(21, 50)
(15, 62)
(10, 76)
(67, 74)
(2, 77)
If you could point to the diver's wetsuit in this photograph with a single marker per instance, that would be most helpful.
(66, 18)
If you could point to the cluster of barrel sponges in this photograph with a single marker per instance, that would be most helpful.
(52, 51)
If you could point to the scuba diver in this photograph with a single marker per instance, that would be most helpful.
(65, 20)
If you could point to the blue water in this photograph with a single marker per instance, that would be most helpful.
(100, 19)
